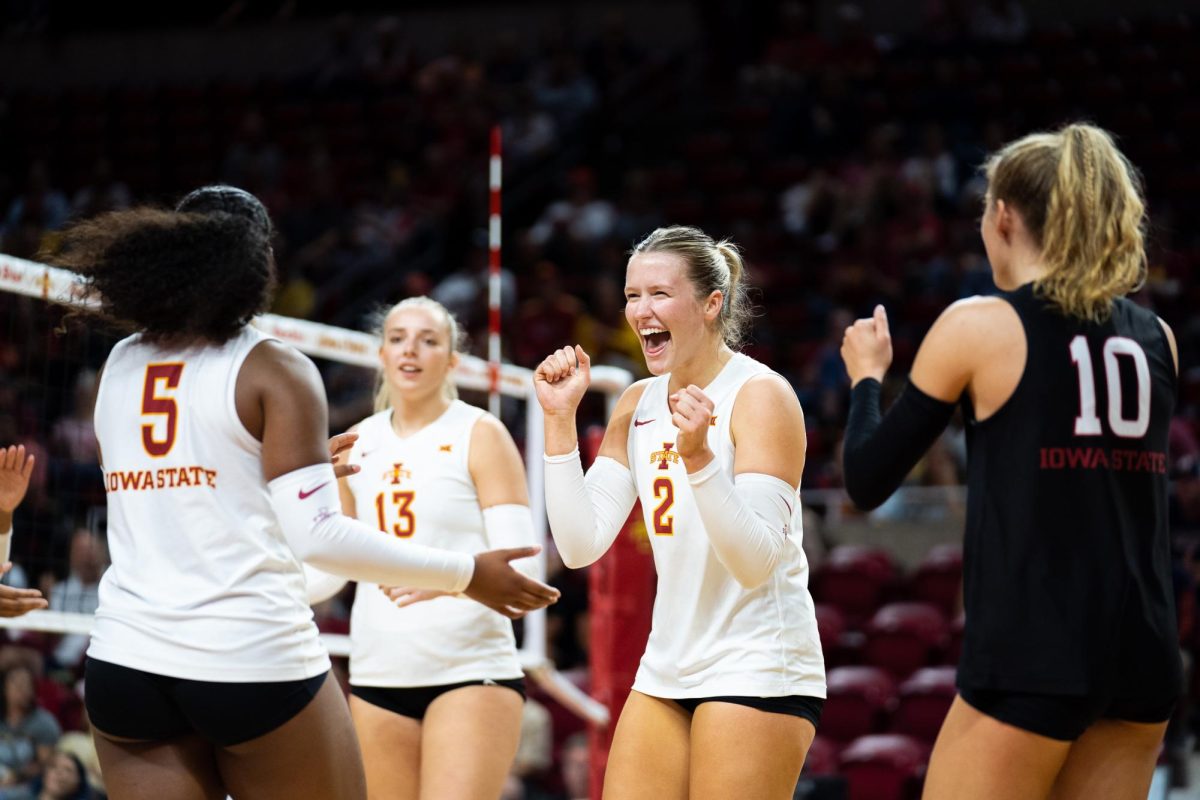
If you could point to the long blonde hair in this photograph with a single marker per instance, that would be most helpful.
(454, 334)
(1082, 201)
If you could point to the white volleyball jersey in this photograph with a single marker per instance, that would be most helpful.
(419, 489)
(711, 636)
(203, 584)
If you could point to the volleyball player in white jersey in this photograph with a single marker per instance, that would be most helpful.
(435, 682)
(206, 676)
(729, 691)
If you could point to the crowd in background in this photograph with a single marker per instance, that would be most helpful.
(844, 163)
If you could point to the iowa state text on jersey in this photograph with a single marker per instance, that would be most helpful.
(1099, 458)
(163, 478)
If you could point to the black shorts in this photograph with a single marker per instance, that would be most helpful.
(413, 701)
(796, 705)
(132, 704)
(1065, 717)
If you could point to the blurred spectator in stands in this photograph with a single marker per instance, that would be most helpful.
(39, 201)
(253, 162)
(549, 317)
(613, 56)
(535, 749)
(581, 216)
(28, 732)
(562, 87)
(339, 65)
(81, 745)
(62, 778)
(576, 767)
(388, 62)
(933, 167)
(1000, 21)
(79, 593)
(73, 436)
(638, 214)
(529, 132)
(105, 192)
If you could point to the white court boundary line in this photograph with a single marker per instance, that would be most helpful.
(52, 284)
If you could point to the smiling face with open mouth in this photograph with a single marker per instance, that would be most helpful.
(662, 309)
(416, 353)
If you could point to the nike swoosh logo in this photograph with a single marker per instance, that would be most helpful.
(304, 494)
(637, 423)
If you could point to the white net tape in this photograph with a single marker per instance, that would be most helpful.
(32, 279)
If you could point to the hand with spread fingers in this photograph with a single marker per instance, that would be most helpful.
(562, 379)
(15, 470)
(339, 452)
(504, 590)
(691, 413)
(867, 347)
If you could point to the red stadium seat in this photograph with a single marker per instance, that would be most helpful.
(858, 702)
(938, 579)
(884, 767)
(854, 578)
(822, 757)
(925, 699)
(902, 637)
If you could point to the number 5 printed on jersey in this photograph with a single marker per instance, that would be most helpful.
(158, 399)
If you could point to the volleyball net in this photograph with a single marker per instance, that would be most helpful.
(351, 349)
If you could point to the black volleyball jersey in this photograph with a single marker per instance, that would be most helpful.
(1068, 571)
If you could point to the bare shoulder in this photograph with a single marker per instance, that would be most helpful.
(489, 432)
(631, 396)
(1170, 334)
(977, 316)
(275, 356)
(767, 395)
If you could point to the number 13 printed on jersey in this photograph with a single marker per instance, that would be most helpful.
(406, 524)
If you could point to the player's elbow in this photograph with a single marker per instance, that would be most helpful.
(576, 560)
(866, 489)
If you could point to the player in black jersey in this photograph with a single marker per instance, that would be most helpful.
(1070, 664)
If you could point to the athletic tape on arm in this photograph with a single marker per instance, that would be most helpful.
(747, 519)
(309, 510)
(586, 513)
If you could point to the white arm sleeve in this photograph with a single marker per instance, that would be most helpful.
(511, 525)
(747, 523)
(321, 585)
(309, 510)
(586, 514)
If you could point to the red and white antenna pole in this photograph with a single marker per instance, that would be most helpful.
(494, 172)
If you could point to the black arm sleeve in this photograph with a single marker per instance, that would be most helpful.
(879, 451)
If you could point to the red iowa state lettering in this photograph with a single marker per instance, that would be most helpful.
(1100, 458)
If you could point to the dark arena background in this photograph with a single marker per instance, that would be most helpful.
(838, 143)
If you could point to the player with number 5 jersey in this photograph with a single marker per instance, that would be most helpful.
(1070, 664)
(729, 691)
(206, 676)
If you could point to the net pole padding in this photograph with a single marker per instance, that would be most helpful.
(494, 224)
